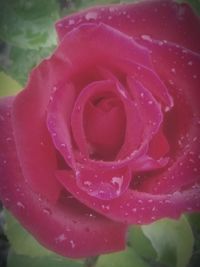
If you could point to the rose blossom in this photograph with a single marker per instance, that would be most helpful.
(106, 132)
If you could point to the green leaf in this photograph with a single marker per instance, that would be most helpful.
(28, 24)
(21, 241)
(194, 220)
(8, 86)
(26, 251)
(15, 260)
(194, 3)
(127, 258)
(22, 61)
(172, 239)
(141, 244)
(76, 5)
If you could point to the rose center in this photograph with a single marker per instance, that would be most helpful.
(104, 124)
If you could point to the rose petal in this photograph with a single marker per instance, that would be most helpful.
(159, 146)
(97, 38)
(105, 125)
(152, 118)
(58, 121)
(103, 184)
(75, 231)
(136, 207)
(34, 146)
(163, 20)
(180, 71)
(149, 79)
(134, 125)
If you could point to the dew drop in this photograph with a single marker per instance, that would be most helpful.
(146, 37)
(20, 205)
(112, 9)
(173, 70)
(91, 15)
(72, 243)
(190, 63)
(88, 183)
(71, 22)
(61, 238)
(47, 211)
(63, 145)
(105, 207)
(117, 181)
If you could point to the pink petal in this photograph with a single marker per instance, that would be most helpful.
(134, 125)
(132, 151)
(58, 121)
(105, 124)
(162, 20)
(100, 183)
(94, 89)
(148, 108)
(97, 38)
(68, 228)
(180, 71)
(149, 79)
(136, 207)
(159, 145)
(34, 146)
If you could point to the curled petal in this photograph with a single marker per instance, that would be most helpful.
(75, 231)
(163, 20)
(149, 109)
(97, 38)
(100, 183)
(149, 79)
(180, 71)
(58, 121)
(135, 207)
(34, 146)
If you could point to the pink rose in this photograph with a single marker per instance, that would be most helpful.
(106, 132)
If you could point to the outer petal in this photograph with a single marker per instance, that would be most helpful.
(34, 145)
(136, 207)
(159, 19)
(180, 69)
(68, 227)
(58, 121)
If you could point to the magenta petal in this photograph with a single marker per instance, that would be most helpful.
(162, 20)
(97, 38)
(180, 70)
(100, 183)
(134, 125)
(35, 149)
(136, 207)
(105, 125)
(147, 163)
(67, 227)
(149, 79)
(58, 121)
(159, 145)
(149, 109)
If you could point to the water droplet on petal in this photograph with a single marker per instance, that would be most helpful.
(91, 15)
(72, 243)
